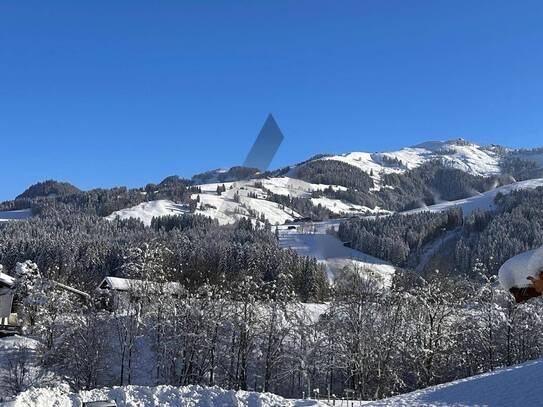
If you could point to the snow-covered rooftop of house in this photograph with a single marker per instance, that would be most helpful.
(514, 272)
(126, 284)
(6, 280)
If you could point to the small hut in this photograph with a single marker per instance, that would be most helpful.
(119, 290)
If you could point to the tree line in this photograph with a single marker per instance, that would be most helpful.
(258, 336)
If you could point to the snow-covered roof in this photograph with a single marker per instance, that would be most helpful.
(6, 280)
(514, 272)
(126, 284)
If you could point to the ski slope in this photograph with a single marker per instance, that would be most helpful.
(484, 201)
(22, 214)
(509, 387)
(313, 241)
(146, 211)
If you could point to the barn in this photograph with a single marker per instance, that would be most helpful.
(119, 290)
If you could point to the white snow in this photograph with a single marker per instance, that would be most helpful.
(508, 387)
(295, 187)
(224, 208)
(484, 201)
(462, 155)
(6, 279)
(164, 396)
(341, 207)
(514, 272)
(146, 211)
(330, 251)
(21, 214)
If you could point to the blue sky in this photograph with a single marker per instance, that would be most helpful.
(104, 93)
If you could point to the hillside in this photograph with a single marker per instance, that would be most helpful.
(49, 188)
(459, 154)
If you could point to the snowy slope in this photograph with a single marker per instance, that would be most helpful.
(147, 210)
(459, 154)
(6, 216)
(330, 251)
(509, 387)
(346, 208)
(226, 208)
(164, 396)
(484, 201)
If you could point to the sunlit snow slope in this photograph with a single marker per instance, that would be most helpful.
(460, 154)
(146, 211)
(484, 201)
(510, 387)
(313, 241)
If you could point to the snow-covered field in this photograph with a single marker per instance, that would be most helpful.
(164, 396)
(508, 387)
(516, 386)
(484, 201)
(15, 215)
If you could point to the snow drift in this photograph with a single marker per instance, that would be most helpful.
(164, 396)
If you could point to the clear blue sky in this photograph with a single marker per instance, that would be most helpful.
(103, 93)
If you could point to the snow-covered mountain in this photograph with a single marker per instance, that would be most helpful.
(459, 154)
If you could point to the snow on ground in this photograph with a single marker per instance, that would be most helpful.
(295, 187)
(331, 252)
(462, 155)
(18, 353)
(341, 207)
(164, 396)
(514, 272)
(484, 201)
(6, 216)
(227, 210)
(509, 387)
(146, 211)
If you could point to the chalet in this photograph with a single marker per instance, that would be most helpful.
(9, 323)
